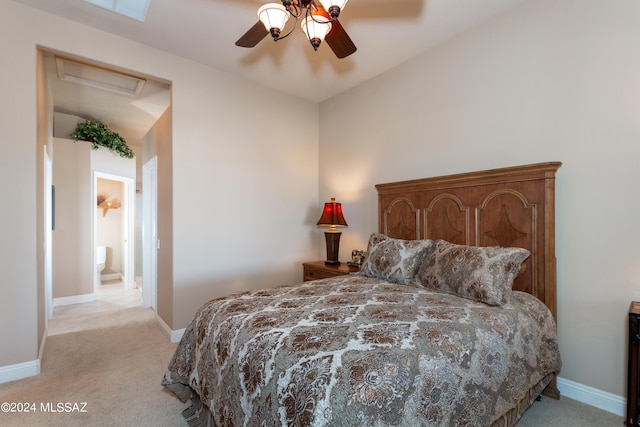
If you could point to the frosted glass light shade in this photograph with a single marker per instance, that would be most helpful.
(273, 15)
(334, 7)
(316, 27)
(328, 3)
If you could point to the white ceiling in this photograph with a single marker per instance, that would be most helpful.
(386, 32)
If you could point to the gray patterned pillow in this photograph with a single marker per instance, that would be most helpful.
(394, 260)
(484, 274)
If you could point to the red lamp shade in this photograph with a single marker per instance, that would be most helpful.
(332, 216)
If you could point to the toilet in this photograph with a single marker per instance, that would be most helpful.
(101, 260)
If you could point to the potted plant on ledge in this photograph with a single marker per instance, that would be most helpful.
(101, 136)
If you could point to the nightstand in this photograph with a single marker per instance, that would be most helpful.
(633, 380)
(319, 270)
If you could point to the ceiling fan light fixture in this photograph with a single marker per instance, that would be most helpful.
(273, 16)
(316, 22)
(316, 27)
(334, 7)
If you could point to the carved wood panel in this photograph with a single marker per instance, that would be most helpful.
(402, 219)
(447, 218)
(507, 218)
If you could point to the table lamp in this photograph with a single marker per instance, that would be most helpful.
(332, 217)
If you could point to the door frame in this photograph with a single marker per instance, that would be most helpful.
(128, 228)
(48, 237)
(150, 240)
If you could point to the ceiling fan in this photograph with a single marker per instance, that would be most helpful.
(319, 21)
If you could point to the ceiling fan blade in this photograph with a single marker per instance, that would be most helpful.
(253, 36)
(339, 41)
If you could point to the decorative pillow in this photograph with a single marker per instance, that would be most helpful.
(484, 274)
(394, 260)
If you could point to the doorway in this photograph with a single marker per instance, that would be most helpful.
(114, 228)
(73, 102)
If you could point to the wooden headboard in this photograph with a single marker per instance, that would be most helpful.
(499, 207)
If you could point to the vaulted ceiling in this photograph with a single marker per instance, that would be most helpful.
(386, 33)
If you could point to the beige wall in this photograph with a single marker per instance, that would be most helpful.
(18, 257)
(242, 190)
(74, 209)
(551, 80)
(231, 170)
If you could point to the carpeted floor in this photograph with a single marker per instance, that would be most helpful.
(116, 371)
(567, 413)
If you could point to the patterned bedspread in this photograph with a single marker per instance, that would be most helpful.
(356, 351)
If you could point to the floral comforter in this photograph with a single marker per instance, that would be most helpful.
(356, 351)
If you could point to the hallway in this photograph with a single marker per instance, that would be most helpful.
(114, 306)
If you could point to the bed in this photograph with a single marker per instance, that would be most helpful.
(450, 322)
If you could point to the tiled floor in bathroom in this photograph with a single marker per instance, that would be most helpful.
(113, 306)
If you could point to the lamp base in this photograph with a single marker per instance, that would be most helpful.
(332, 239)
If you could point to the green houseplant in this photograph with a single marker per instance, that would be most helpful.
(101, 136)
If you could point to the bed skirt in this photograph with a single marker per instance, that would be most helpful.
(199, 415)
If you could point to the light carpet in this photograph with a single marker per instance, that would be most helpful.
(115, 370)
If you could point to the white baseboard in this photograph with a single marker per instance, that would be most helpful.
(113, 276)
(592, 396)
(19, 371)
(174, 336)
(74, 299)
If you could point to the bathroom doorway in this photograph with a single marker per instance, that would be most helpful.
(114, 228)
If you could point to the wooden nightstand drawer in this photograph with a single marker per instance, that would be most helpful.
(319, 270)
